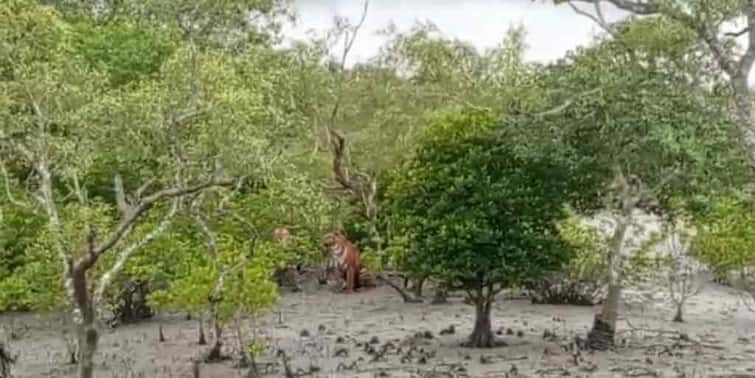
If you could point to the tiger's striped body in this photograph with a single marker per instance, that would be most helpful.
(346, 261)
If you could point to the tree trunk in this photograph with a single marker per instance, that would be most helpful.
(744, 116)
(441, 294)
(678, 317)
(482, 334)
(87, 334)
(202, 338)
(214, 354)
(418, 286)
(601, 336)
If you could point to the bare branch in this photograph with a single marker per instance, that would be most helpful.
(747, 60)
(78, 191)
(597, 17)
(48, 202)
(125, 254)
(199, 219)
(120, 195)
(349, 42)
(737, 34)
(140, 192)
(641, 7)
(41, 122)
(182, 119)
(137, 210)
(727, 63)
(341, 161)
(566, 104)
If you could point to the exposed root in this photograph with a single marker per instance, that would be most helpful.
(404, 295)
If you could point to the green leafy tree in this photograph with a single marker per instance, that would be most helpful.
(126, 51)
(724, 238)
(732, 52)
(232, 281)
(635, 140)
(60, 124)
(476, 214)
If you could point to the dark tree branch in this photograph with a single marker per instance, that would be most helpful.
(641, 7)
(134, 212)
(737, 33)
(598, 17)
(747, 60)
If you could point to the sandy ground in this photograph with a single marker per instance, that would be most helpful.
(344, 333)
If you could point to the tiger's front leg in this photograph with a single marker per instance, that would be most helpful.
(350, 280)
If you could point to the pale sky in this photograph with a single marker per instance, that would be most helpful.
(551, 30)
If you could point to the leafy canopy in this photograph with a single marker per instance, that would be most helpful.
(471, 211)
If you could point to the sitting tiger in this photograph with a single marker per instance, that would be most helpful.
(347, 261)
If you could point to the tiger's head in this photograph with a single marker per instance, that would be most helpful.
(281, 234)
(332, 240)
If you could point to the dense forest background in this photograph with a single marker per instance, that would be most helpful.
(154, 146)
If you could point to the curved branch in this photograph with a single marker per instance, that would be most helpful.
(123, 257)
(135, 212)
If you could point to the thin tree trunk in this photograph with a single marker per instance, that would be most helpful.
(419, 283)
(202, 337)
(87, 333)
(678, 317)
(215, 352)
(482, 334)
(744, 116)
(601, 336)
(441, 294)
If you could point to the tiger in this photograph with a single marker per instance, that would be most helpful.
(347, 261)
(281, 234)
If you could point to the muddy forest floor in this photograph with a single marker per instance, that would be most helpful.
(346, 336)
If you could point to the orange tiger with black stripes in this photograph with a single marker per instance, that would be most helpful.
(347, 261)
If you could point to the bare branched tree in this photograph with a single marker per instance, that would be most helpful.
(685, 276)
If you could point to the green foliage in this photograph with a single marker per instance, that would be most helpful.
(724, 238)
(19, 228)
(227, 24)
(172, 110)
(38, 283)
(588, 262)
(471, 211)
(293, 200)
(125, 51)
(612, 109)
(239, 277)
